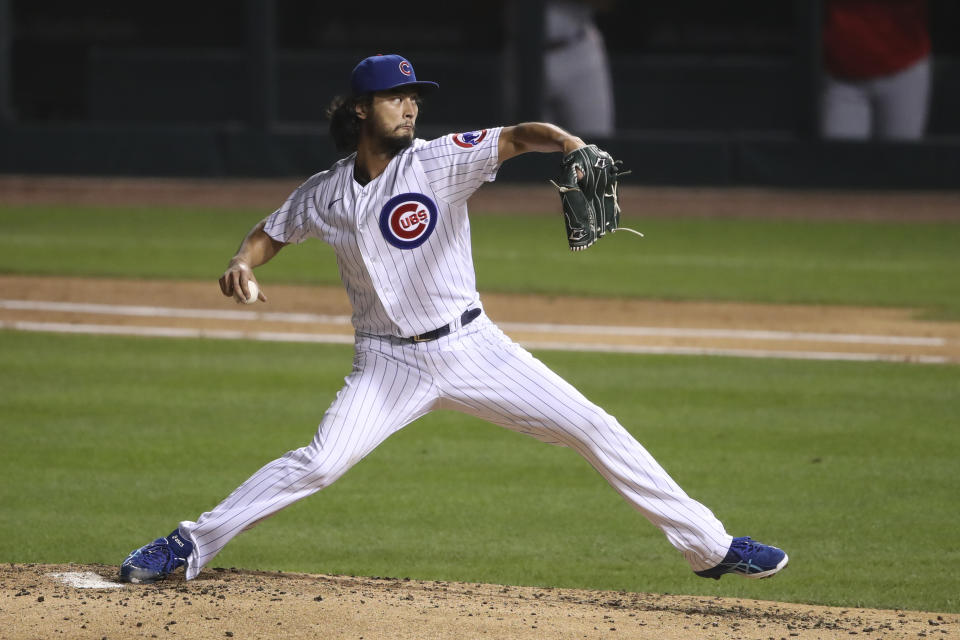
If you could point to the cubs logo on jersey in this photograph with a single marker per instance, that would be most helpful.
(408, 220)
(469, 139)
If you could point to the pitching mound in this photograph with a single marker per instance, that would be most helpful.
(73, 601)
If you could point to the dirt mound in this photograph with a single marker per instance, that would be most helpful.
(40, 601)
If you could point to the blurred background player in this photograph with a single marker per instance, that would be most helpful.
(577, 84)
(876, 56)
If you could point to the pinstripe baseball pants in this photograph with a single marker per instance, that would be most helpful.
(481, 372)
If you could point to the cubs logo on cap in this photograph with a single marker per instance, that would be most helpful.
(469, 139)
(384, 72)
(408, 220)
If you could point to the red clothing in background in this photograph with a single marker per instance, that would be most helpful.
(869, 38)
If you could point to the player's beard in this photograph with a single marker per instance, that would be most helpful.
(392, 139)
(398, 140)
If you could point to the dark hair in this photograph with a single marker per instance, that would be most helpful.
(344, 122)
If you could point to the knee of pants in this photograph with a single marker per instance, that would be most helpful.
(316, 468)
(598, 429)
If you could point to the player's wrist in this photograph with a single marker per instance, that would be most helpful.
(572, 143)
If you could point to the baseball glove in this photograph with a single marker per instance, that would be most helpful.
(588, 195)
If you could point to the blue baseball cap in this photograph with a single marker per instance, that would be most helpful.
(383, 72)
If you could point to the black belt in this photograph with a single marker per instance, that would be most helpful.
(466, 318)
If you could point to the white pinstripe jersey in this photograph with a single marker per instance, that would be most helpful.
(402, 241)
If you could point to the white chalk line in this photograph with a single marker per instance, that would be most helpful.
(176, 332)
(739, 353)
(324, 338)
(170, 312)
(530, 327)
(734, 334)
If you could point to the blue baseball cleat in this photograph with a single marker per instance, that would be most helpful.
(156, 560)
(749, 559)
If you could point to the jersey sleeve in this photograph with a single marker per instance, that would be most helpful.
(298, 218)
(457, 164)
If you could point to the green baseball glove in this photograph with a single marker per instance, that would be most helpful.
(588, 194)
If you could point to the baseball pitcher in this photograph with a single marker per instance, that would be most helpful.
(395, 212)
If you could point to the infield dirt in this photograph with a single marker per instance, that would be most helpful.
(227, 603)
(788, 330)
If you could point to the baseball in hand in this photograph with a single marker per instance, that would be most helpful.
(254, 292)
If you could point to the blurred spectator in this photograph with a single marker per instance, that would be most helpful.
(876, 56)
(578, 88)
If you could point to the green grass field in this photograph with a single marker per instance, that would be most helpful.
(852, 467)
